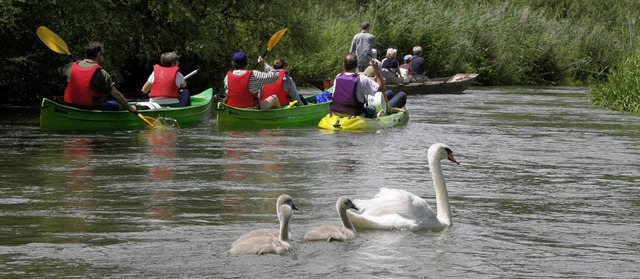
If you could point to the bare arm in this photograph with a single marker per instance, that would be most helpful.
(122, 100)
(146, 88)
(379, 78)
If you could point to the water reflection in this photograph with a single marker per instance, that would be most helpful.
(77, 153)
(161, 145)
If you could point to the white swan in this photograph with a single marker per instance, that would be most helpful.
(335, 233)
(399, 209)
(282, 199)
(265, 242)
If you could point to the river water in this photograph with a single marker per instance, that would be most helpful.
(548, 187)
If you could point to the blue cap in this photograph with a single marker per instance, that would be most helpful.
(239, 56)
(408, 58)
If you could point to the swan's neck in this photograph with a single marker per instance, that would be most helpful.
(284, 228)
(442, 197)
(346, 222)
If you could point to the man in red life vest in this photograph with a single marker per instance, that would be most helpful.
(284, 89)
(88, 83)
(243, 86)
(167, 83)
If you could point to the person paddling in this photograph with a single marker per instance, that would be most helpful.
(88, 83)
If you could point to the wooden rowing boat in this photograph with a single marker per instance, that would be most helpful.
(334, 122)
(455, 84)
(56, 117)
(231, 118)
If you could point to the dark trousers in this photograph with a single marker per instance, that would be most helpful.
(396, 100)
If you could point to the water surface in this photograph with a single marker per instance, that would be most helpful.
(548, 188)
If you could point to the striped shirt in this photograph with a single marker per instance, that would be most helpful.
(256, 81)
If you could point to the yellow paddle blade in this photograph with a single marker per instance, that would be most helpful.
(292, 103)
(275, 38)
(53, 41)
(150, 121)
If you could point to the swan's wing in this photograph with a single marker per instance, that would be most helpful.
(263, 244)
(258, 233)
(382, 222)
(328, 233)
(396, 201)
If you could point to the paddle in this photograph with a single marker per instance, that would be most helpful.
(273, 41)
(55, 43)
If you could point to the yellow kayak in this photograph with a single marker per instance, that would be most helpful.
(335, 122)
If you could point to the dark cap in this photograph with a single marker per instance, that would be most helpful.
(365, 25)
(239, 56)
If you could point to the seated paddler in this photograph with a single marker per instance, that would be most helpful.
(242, 86)
(166, 85)
(88, 84)
(351, 89)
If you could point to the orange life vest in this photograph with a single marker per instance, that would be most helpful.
(276, 89)
(238, 87)
(164, 82)
(78, 90)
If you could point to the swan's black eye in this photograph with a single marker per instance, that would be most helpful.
(448, 150)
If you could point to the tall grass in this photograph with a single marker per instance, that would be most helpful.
(622, 91)
(507, 42)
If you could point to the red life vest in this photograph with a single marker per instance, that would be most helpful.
(276, 89)
(164, 82)
(78, 91)
(238, 87)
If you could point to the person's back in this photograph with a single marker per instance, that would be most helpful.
(362, 45)
(406, 71)
(351, 89)
(242, 86)
(166, 84)
(345, 99)
(391, 67)
(419, 65)
(284, 88)
(89, 84)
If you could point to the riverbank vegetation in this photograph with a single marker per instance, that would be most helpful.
(519, 42)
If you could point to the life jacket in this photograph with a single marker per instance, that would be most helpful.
(345, 99)
(164, 82)
(276, 89)
(239, 95)
(78, 90)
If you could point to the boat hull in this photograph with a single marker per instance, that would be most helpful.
(56, 117)
(455, 84)
(231, 118)
(334, 122)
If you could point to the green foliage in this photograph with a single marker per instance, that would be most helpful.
(519, 42)
(622, 91)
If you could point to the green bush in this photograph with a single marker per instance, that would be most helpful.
(622, 90)
(520, 42)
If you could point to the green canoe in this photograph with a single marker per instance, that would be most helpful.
(334, 122)
(55, 117)
(230, 118)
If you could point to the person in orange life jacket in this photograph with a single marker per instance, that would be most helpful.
(351, 89)
(243, 86)
(166, 83)
(284, 89)
(88, 83)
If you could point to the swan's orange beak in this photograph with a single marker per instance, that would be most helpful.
(452, 159)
